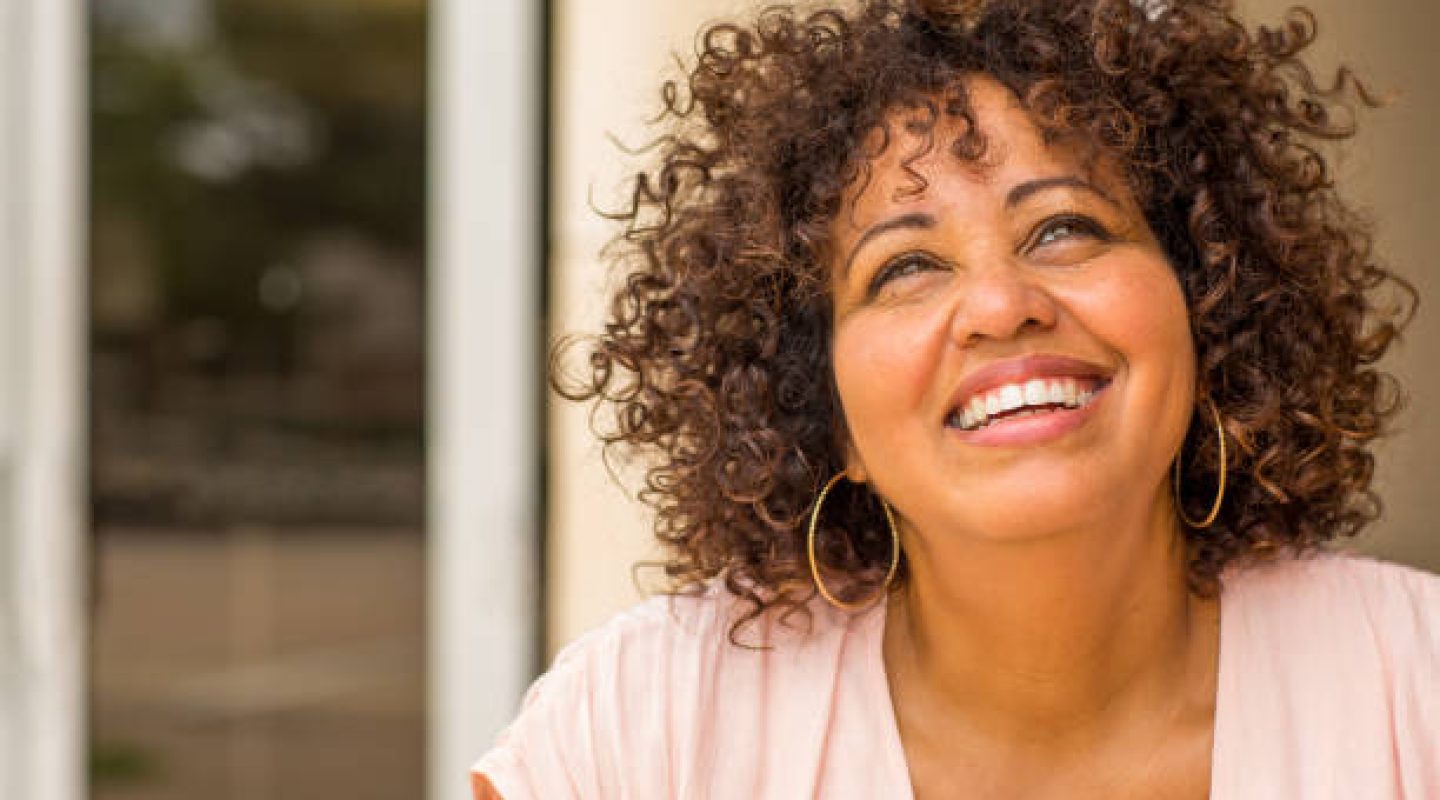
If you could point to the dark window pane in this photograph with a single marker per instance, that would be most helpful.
(256, 363)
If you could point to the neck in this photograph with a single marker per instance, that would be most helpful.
(1050, 640)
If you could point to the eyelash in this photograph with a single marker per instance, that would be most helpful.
(1083, 226)
(895, 268)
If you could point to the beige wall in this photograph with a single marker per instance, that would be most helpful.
(1393, 172)
(610, 56)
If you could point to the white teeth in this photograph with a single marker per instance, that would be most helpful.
(1070, 396)
(1055, 392)
(1036, 392)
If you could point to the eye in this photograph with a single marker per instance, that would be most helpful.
(1058, 229)
(901, 266)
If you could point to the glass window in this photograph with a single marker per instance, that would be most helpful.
(256, 376)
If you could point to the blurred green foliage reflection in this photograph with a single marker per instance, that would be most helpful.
(257, 229)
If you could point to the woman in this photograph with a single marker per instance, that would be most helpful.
(1005, 370)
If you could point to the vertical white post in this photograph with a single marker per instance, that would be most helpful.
(42, 391)
(483, 400)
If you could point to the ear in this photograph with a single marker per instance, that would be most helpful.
(855, 470)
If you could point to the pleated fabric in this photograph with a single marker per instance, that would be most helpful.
(1329, 687)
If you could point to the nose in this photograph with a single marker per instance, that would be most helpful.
(999, 302)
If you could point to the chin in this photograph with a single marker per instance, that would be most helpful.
(1037, 509)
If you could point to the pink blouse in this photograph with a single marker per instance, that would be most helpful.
(1329, 687)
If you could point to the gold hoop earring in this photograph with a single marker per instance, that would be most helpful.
(1219, 494)
(815, 568)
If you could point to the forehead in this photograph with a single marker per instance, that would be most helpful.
(914, 160)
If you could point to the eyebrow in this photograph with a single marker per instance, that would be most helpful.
(912, 220)
(1020, 192)
(1017, 195)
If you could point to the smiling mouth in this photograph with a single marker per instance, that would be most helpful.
(1034, 397)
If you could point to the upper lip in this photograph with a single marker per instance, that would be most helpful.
(1019, 370)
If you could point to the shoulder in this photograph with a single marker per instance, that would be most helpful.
(1334, 647)
(626, 654)
(1337, 642)
(1341, 604)
(1395, 602)
(592, 697)
(625, 708)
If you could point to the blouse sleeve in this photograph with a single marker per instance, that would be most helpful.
(547, 751)
(597, 724)
(1333, 680)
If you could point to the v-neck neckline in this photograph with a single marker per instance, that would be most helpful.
(898, 764)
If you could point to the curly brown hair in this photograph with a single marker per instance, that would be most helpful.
(714, 363)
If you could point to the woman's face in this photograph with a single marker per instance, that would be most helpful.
(1029, 282)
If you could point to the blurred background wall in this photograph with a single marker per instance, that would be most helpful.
(1391, 172)
(313, 464)
(610, 58)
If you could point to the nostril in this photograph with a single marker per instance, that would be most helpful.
(996, 312)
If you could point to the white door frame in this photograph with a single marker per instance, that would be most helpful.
(43, 320)
(484, 405)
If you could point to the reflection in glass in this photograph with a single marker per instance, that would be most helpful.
(256, 369)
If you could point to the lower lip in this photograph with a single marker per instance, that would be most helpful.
(1034, 429)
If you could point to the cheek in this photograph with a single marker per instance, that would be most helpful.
(1140, 310)
(883, 365)
(1140, 313)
